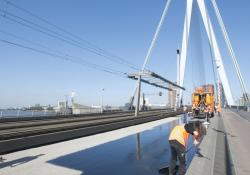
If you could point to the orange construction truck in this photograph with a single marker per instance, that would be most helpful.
(203, 101)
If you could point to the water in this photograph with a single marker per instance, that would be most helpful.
(141, 154)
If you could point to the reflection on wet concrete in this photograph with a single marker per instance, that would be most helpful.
(138, 146)
(142, 153)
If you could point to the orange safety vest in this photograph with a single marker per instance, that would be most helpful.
(219, 109)
(179, 134)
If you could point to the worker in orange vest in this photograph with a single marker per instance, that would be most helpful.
(218, 109)
(178, 141)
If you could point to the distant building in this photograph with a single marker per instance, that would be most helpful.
(248, 106)
(172, 96)
(62, 108)
(37, 107)
(82, 109)
(157, 106)
(242, 102)
(245, 95)
(144, 102)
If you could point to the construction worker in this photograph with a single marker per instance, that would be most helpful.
(218, 109)
(178, 142)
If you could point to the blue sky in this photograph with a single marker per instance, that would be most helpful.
(124, 28)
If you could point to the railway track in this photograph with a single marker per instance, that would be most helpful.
(15, 130)
(22, 135)
(32, 123)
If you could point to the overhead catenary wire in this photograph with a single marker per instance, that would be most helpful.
(31, 42)
(61, 54)
(69, 40)
(40, 45)
(66, 58)
(198, 68)
(67, 32)
(41, 30)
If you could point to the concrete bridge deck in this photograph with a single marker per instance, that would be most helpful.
(225, 149)
(140, 149)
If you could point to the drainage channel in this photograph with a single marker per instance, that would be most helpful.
(222, 161)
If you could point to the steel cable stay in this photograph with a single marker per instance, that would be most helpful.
(44, 30)
(231, 51)
(212, 56)
(199, 45)
(197, 60)
(151, 47)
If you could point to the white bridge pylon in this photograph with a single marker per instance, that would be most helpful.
(213, 44)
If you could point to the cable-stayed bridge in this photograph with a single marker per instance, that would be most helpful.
(133, 140)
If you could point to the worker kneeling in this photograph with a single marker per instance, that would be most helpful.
(178, 141)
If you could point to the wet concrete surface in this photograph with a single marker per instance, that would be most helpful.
(141, 153)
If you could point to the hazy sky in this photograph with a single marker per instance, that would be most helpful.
(123, 27)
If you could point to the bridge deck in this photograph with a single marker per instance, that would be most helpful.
(18, 135)
(225, 149)
(139, 149)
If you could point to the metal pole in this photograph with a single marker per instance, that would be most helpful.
(178, 80)
(143, 101)
(18, 112)
(66, 105)
(184, 46)
(101, 104)
(102, 101)
(137, 108)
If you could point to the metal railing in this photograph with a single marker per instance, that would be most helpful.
(26, 113)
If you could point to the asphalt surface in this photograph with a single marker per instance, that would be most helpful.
(243, 114)
(237, 130)
(225, 148)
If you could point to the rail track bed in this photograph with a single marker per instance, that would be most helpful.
(20, 135)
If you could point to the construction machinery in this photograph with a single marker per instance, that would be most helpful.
(203, 101)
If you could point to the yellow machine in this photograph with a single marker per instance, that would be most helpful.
(203, 101)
